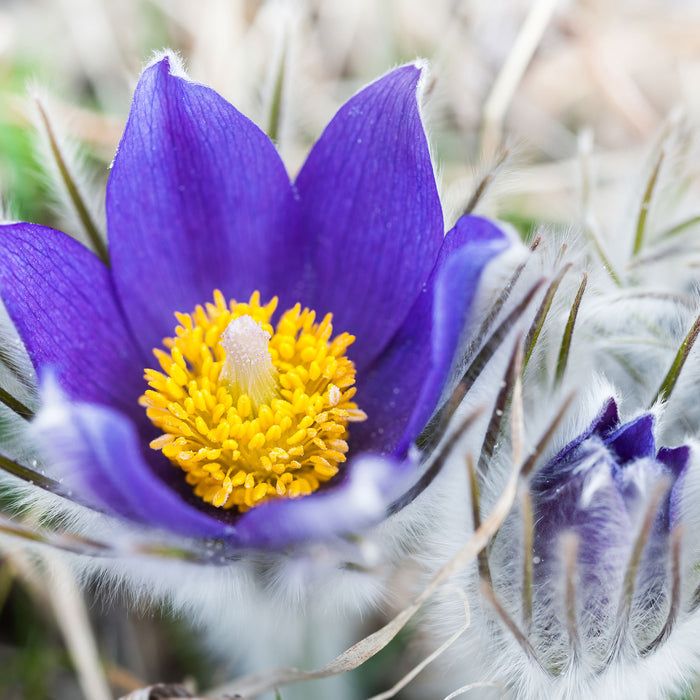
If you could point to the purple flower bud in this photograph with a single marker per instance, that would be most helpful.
(618, 496)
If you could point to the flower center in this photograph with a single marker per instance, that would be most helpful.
(250, 413)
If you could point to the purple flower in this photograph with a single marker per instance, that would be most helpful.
(619, 496)
(607, 586)
(198, 200)
(589, 588)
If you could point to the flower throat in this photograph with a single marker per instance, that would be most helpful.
(247, 412)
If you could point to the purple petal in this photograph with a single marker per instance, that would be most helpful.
(60, 297)
(58, 431)
(675, 458)
(198, 199)
(585, 497)
(400, 391)
(633, 440)
(637, 479)
(371, 210)
(360, 500)
(99, 452)
(588, 504)
(606, 420)
(637, 482)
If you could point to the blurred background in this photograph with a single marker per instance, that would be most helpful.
(577, 95)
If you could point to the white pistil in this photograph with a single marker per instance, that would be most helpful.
(248, 366)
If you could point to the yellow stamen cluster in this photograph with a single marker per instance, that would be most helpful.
(241, 451)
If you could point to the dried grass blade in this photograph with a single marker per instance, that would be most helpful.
(71, 614)
(503, 89)
(429, 659)
(475, 491)
(472, 686)
(508, 621)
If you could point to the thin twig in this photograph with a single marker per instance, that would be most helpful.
(72, 618)
(512, 71)
(429, 659)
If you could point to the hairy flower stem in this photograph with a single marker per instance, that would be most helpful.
(27, 474)
(15, 405)
(528, 547)
(442, 418)
(568, 333)
(671, 378)
(646, 203)
(570, 548)
(71, 186)
(482, 560)
(665, 633)
(275, 115)
(628, 586)
(542, 311)
(486, 181)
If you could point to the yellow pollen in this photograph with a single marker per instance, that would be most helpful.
(248, 412)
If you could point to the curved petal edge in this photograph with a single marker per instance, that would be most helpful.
(402, 389)
(60, 297)
(371, 210)
(198, 199)
(96, 454)
(359, 501)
